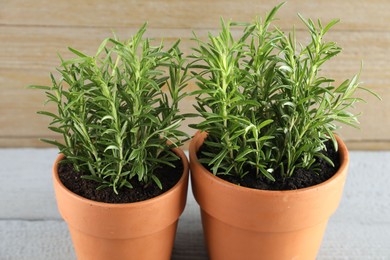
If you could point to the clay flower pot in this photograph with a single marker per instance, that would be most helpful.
(141, 230)
(244, 223)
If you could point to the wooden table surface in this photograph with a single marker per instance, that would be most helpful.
(31, 228)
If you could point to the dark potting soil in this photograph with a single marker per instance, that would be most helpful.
(72, 180)
(301, 178)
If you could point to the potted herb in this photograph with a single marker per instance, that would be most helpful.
(120, 179)
(266, 167)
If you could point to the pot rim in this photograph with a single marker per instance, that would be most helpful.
(198, 140)
(137, 204)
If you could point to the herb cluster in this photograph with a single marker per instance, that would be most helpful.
(116, 120)
(263, 103)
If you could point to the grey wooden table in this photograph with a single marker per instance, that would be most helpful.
(31, 228)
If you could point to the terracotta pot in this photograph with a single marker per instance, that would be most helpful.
(245, 223)
(140, 230)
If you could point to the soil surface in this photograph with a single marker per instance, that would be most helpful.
(301, 178)
(72, 180)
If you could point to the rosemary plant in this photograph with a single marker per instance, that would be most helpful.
(264, 105)
(116, 120)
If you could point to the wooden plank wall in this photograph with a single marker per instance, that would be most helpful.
(32, 32)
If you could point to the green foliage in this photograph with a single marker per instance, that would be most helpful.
(263, 103)
(116, 120)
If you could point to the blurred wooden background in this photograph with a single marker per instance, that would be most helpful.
(32, 32)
